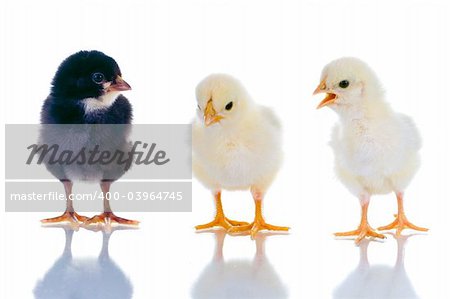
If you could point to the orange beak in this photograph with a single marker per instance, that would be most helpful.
(119, 85)
(329, 99)
(211, 116)
(321, 88)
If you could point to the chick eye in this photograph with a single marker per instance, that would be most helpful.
(98, 78)
(344, 84)
(229, 106)
(198, 106)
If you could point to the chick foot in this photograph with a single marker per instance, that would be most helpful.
(259, 223)
(109, 218)
(364, 229)
(256, 226)
(362, 232)
(71, 217)
(221, 221)
(400, 223)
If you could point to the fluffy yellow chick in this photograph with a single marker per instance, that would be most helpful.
(375, 148)
(236, 146)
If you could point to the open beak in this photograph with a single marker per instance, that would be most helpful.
(330, 97)
(211, 116)
(119, 85)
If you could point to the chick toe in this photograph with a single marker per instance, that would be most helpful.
(71, 217)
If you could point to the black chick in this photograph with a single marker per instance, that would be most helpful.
(85, 100)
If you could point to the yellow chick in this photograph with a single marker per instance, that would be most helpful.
(236, 146)
(375, 148)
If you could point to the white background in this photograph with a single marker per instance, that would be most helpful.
(277, 49)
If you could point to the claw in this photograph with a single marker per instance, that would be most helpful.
(364, 229)
(108, 218)
(362, 232)
(401, 223)
(71, 217)
(256, 226)
(221, 221)
(259, 223)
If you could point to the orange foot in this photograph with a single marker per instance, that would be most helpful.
(109, 218)
(221, 221)
(70, 217)
(363, 231)
(400, 223)
(253, 228)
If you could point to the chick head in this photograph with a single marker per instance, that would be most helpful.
(220, 99)
(347, 82)
(88, 74)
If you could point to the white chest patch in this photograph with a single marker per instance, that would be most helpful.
(103, 102)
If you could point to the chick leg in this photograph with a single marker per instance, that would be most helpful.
(108, 217)
(259, 223)
(401, 222)
(220, 220)
(69, 215)
(364, 229)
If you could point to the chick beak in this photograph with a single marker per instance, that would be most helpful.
(330, 97)
(119, 85)
(211, 116)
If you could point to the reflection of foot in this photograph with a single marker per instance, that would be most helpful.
(221, 221)
(364, 230)
(70, 217)
(400, 223)
(258, 225)
(109, 218)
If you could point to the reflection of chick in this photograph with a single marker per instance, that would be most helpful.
(238, 279)
(84, 278)
(379, 281)
(375, 148)
(236, 146)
